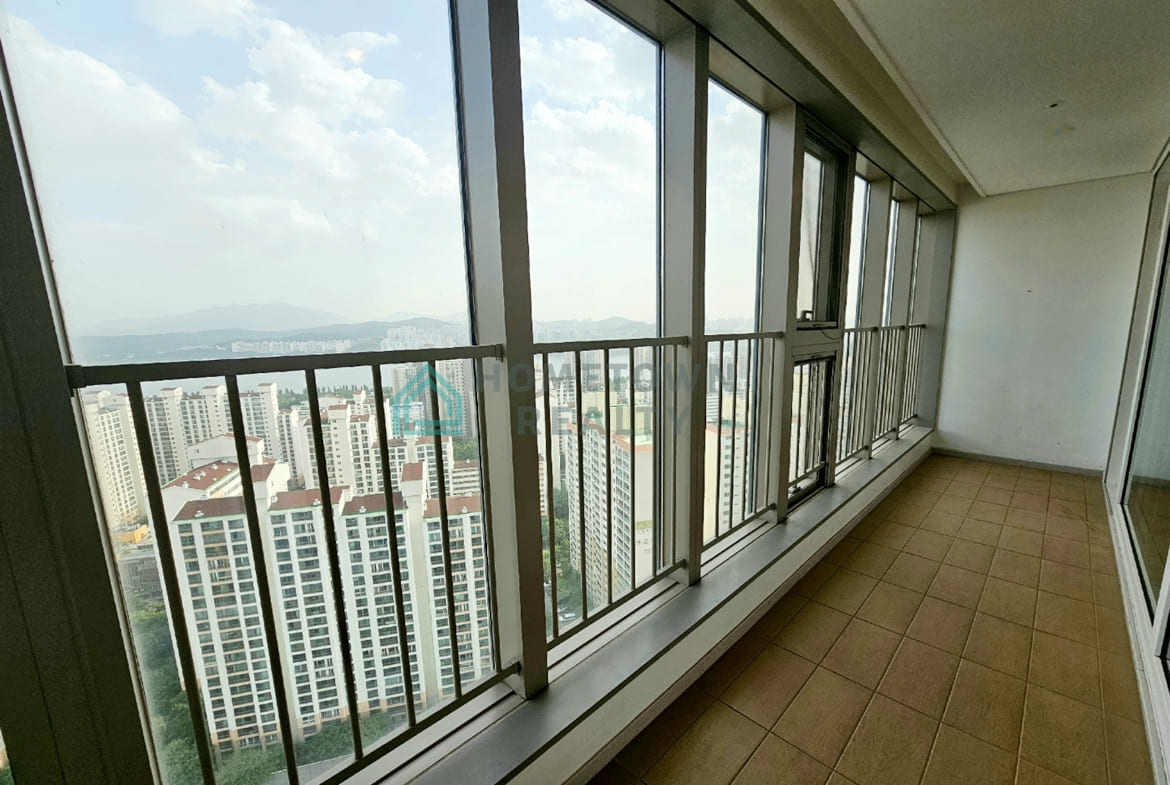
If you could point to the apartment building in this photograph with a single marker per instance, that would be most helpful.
(110, 432)
(618, 507)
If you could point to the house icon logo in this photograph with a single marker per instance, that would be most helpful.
(411, 402)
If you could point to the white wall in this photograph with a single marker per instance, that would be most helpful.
(1041, 295)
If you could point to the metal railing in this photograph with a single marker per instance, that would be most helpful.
(739, 398)
(808, 448)
(889, 362)
(880, 376)
(601, 406)
(259, 565)
(856, 383)
(912, 368)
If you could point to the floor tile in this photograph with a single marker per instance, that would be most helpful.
(1033, 502)
(1111, 632)
(1031, 774)
(842, 551)
(778, 615)
(947, 523)
(987, 704)
(920, 676)
(890, 745)
(1025, 519)
(890, 606)
(961, 759)
(994, 494)
(845, 591)
(1011, 601)
(958, 586)
(892, 535)
(1119, 687)
(812, 631)
(979, 531)
(1067, 618)
(1066, 580)
(823, 715)
(766, 687)
(956, 505)
(928, 544)
(1015, 567)
(1128, 752)
(941, 624)
(648, 746)
(1066, 508)
(999, 644)
(862, 653)
(1068, 528)
(776, 762)
(814, 579)
(1106, 591)
(871, 559)
(614, 773)
(1066, 667)
(732, 663)
(710, 752)
(1067, 551)
(970, 556)
(911, 572)
(967, 490)
(1103, 560)
(1064, 736)
(986, 511)
(1023, 541)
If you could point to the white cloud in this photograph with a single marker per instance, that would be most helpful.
(185, 17)
(290, 184)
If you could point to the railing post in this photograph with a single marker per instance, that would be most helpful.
(902, 360)
(487, 56)
(684, 210)
(873, 370)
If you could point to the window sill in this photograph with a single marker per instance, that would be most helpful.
(570, 730)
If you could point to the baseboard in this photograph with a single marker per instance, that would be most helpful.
(1052, 467)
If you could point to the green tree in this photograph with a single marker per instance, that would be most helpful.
(465, 449)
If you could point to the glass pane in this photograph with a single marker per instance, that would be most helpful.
(1148, 494)
(856, 251)
(891, 252)
(734, 172)
(810, 237)
(591, 158)
(272, 181)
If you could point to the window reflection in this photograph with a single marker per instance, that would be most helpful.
(1148, 494)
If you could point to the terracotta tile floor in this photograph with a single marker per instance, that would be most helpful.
(968, 632)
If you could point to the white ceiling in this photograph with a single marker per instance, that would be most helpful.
(982, 74)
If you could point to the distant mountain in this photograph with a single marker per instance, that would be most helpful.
(273, 317)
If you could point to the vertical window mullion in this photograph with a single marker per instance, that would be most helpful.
(487, 77)
(683, 184)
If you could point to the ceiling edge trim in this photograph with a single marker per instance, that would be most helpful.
(855, 18)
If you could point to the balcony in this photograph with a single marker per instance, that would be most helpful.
(656, 391)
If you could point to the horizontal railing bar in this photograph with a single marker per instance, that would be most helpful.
(564, 347)
(716, 337)
(734, 528)
(89, 375)
(394, 742)
(587, 623)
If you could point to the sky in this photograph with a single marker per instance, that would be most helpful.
(199, 153)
